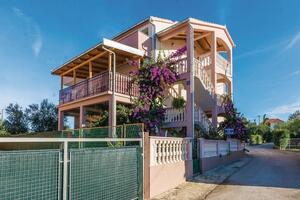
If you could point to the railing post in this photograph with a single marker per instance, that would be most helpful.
(65, 174)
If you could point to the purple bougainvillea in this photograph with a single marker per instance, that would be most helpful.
(233, 119)
(154, 77)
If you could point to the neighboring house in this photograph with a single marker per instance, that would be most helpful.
(273, 122)
(205, 72)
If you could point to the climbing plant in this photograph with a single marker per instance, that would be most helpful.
(233, 119)
(154, 77)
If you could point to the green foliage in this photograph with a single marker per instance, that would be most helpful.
(43, 117)
(280, 138)
(124, 114)
(293, 126)
(2, 130)
(15, 122)
(233, 119)
(256, 139)
(178, 102)
(295, 115)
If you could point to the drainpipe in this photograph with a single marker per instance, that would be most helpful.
(153, 36)
(114, 103)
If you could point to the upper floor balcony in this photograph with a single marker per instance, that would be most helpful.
(91, 73)
(97, 85)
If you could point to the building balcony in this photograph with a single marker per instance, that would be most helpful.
(176, 117)
(99, 84)
(205, 60)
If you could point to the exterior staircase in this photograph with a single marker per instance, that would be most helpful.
(176, 117)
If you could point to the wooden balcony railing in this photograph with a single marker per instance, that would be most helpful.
(96, 85)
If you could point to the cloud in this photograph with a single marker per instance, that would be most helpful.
(285, 109)
(262, 49)
(33, 29)
(293, 41)
(295, 73)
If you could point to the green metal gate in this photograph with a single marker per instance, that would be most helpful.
(105, 173)
(30, 174)
(195, 154)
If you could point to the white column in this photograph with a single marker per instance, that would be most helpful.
(190, 82)
(214, 77)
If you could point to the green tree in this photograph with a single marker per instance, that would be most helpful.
(295, 115)
(42, 117)
(294, 127)
(15, 122)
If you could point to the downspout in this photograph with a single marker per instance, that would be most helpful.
(153, 35)
(114, 106)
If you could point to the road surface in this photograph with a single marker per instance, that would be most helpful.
(270, 175)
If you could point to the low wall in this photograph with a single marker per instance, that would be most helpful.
(214, 153)
(170, 163)
(213, 162)
(168, 176)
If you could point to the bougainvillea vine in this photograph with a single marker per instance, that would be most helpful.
(154, 77)
(233, 119)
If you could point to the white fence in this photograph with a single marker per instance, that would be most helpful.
(212, 148)
(165, 150)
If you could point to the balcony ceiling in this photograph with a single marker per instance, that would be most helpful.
(98, 57)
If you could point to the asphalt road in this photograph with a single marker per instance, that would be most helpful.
(271, 174)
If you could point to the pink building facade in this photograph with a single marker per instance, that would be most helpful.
(205, 73)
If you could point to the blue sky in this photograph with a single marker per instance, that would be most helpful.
(37, 36)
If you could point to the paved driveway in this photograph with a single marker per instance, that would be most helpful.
(272, 174)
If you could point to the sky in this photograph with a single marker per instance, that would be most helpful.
(37, 36)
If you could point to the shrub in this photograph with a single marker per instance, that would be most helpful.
(178, 102)
(256, 139)
(280, 138)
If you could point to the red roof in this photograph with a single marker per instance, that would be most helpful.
(273, 121)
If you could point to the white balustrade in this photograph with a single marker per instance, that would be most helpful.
(223, 64)
(174, 115)
(168, 150)
(181, 66)
(200, 72)
(200, 116)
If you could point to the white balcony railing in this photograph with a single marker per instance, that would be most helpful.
(200, 72)
(174, 115)
(201, 117)
(168, 150)
(181, 66)
(223, 65)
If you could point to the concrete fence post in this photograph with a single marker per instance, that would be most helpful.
(146, 166)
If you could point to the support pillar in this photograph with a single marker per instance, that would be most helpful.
(231, 67)
(90, 70)
(74, 77)
(214, 78)
(190, 82)
(60, 120)
(82, 117)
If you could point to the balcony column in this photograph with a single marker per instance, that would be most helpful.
(60, 120)
(214, 77)
(90, 70)
(230, 87)
(74, 77)
(61, 82)
(82, 117)
(190, 82)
